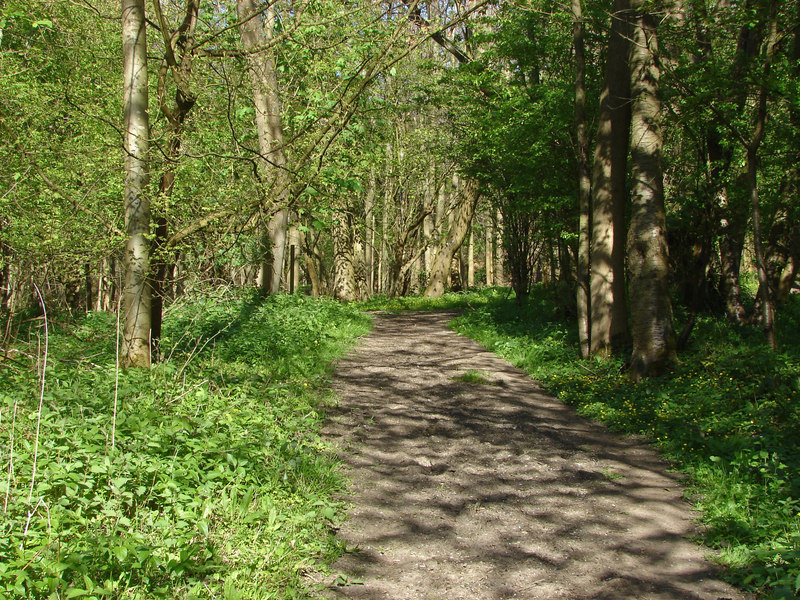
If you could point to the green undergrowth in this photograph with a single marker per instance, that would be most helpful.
(210, 479)
(449, 301)
(728, 416)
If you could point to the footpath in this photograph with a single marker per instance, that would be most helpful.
(468, 482)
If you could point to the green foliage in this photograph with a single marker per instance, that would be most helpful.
(473, 376)
(448, 301)
(727, 415)
(216, 483)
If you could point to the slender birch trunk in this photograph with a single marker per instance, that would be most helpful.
(135, 348)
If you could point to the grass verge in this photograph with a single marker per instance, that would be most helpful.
(210, 479)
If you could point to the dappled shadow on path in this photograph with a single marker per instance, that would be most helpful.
(495, 490)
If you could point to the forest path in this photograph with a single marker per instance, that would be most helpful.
(472, 491)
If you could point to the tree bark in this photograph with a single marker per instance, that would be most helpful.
(344, 273)
(440, 268)
(789, 273)
(177, 61)
(759, 132)
(609, 315)
(428, 225)
(369, 233)
(499, 252)
(471, 260)
(489, 256)
(734, 206)
(135, 347)
(651, 310)
(312, 263)
(181, 68)
(584, 183)
(266, 98)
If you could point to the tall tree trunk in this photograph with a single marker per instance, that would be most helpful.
(369, 233)
(609, 315)
(489, 250)
(584, 183)
(256, 31)
(135, 348)
(734, 205)
(180, 65)
(759, 132)
(388, 193)
(312, 262)
(471, 260)
(651, 310)
(462, 218)
(499, 250)
(429, 224)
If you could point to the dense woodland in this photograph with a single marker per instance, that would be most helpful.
(369, 148)
(637, 162)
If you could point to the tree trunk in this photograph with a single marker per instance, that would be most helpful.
(293, 269)
(609, 315)
(499, 252)
(789, 273)
(471, 260)
(369, 233)
(651, 310)
(584, 183)
(135, 349)
(312, 264)
(255, 34)
(429, 224)
(180, 66)
(388, 192)
(489, 250)
(440, 268)
(759, 132)
(278, 234)
(344, 274)
(734, 205)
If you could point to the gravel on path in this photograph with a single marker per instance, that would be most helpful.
(492, 489)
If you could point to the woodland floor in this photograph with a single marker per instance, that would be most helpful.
(463, 490)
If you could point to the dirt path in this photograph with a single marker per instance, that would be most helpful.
(471, 491)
